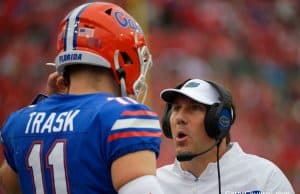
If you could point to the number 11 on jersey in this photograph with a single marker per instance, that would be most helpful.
(54, 162)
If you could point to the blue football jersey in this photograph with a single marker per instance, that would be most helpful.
(67, 143)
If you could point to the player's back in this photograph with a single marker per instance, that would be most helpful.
(66, 144)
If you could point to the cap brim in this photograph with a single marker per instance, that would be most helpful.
(169, 95)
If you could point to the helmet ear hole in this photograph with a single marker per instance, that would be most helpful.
(108, 12)
(126, 58)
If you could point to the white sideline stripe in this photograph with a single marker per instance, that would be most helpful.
(131, 100)
(121, 100)
(136, 123)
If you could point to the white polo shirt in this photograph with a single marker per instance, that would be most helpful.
(241, 173)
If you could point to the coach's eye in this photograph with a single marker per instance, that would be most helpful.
(198, 107)
(175, 107)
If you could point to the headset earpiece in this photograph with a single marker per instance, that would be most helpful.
(210, 125)
(219, 116)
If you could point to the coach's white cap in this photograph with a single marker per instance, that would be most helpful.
(199, 90)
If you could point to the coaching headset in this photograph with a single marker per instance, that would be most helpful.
(219, 116)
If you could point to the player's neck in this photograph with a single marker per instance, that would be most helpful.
(86, 85)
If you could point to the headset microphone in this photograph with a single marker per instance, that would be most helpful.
(189, 156)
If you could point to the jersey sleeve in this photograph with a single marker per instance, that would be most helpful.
(133, 127)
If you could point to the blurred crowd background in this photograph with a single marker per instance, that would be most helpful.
(250, 46)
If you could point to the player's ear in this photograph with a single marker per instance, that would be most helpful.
(62, 85)
(56, 84)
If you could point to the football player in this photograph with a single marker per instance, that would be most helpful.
(92, 138)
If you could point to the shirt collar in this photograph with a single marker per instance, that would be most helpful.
(231, 154)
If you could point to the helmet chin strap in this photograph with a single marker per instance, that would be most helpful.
(121, 73)
(123, 87)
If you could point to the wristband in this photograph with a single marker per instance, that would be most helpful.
(142, 185)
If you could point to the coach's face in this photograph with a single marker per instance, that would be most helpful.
(187, 126)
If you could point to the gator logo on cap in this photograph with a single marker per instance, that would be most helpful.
(192, 85)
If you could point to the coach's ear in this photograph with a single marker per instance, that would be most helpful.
(56, 84)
